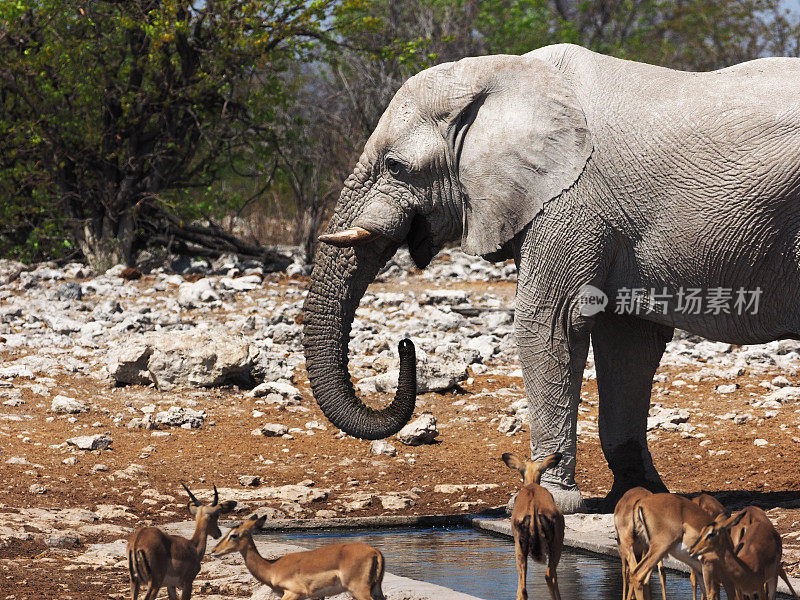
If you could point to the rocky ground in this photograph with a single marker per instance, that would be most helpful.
(117, 387)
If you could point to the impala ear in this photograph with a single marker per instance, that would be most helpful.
(734, 520)
(519, 140)
(514, 462)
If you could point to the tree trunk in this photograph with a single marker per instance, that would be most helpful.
(105, 242)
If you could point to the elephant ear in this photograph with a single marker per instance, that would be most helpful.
(519, 140)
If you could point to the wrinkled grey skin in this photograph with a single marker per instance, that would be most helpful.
(587, 170)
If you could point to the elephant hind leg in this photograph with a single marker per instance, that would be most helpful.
(627, 351)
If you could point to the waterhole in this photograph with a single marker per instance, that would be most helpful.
(482, 564)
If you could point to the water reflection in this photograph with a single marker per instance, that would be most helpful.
(482, 565)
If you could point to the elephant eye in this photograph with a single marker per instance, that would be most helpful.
(394, 166)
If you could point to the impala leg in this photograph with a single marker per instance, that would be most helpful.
(625, 576)
(521, 554)
(551, 577)
(152, 591)
(711, 585)
(377, 592)
(663, 580)
(641, 574)
(134, 589)
(172, 592)
(361, 592)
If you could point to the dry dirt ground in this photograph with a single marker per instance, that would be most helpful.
(468, 453)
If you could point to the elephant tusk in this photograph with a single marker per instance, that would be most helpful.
(355, 236)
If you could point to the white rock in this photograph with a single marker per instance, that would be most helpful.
(274, 430)
(421, 431)
(249, 480)
(100, 441)
(760, 442)
(727, 388)
(780, 382)
(784, 394)
(187, 358)
(191, 295)
(240, 284)
(64, 405)
(378, 447)
(667, 418)
(395, 502)
(289, 395)
(178, 416)
(509, 425)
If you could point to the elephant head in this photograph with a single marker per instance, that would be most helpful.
(469, 150)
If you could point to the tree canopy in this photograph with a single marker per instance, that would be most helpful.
(130, 123)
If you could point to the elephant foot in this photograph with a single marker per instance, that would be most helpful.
(568, 500)
(609, 503)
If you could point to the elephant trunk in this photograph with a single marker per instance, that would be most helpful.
(338, 282)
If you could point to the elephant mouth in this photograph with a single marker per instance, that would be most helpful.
(420, 242)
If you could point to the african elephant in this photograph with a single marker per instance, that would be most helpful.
(587, 170)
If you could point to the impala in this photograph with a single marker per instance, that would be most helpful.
(670, 524)
(754, 563)
(351, 567)
(157, 559)
(631, 546)
(537, 523)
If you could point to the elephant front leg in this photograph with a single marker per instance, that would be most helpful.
(553, 355)
(627, 351)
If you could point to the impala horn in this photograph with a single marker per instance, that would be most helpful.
(216, 497)
(191, 495)
(355, 236)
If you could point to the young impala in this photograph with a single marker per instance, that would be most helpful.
(631, 546)
(537, 523)
(350, 567)
(157, 559)
(754, 563)
(670, 524)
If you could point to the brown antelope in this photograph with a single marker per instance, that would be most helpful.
(754, 564)
(157, 559)
(351, 567)
(714, 508)
(670, 524)
(537, 523)
(631, 546)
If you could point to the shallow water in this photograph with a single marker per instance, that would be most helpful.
(482, 564)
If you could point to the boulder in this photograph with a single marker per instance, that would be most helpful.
(421, 431)
(64, 405)
(192, 295)
(204, 358)
(178, 416)
(91, 442)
